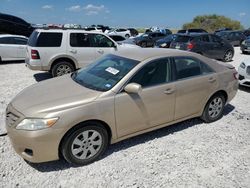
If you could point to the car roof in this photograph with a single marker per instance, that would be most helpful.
(67, 30)
(9, 35)
(141, 54)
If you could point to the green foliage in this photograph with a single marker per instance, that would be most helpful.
(213, 22)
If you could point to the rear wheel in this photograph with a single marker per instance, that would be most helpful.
(214, 108)
(62, 68)
(143, 44)
(127, 36)
(85, 144)
(228, 56)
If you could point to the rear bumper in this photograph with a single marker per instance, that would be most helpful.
(33, 64)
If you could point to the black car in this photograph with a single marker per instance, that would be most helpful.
(133, 32)
(13, 25)
(245, 45)
(208, 45)
(117, 38)
(222, 29)
(148, 39)
(246, 32)
(165, 42)
(188, 31)
(234, 37)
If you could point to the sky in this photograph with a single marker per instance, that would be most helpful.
(125, 13)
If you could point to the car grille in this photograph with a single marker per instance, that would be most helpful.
(11, 118)
(241, 77)
(248, 70)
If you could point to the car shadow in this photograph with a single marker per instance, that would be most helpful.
(42, 76)
(244, 88)
(125, 144)
(11, 62)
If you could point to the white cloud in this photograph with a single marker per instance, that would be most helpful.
(89, 9)
(95, 9)
(75, 8)
(48, 7)
(241, 14)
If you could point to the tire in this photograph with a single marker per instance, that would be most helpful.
(76, 149)
(62, 68)
(228, 56)
(244, 52)
(214, 108)
(127, 36)
(143, 44)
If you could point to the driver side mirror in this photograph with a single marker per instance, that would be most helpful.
(133, 88)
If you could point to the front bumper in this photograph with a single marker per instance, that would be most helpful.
(244, 76)
(36, 146)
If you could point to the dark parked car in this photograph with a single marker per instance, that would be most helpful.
(148, 39)
(208, 45)
(117, 37)
(187, 31)
(246, 32)
(14, 25)
(165, 42)
(133, 32)
(245, 46)
(222, 29)
(234, 37)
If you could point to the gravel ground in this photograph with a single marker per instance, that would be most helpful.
(187, 154)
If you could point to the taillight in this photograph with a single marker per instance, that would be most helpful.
(35, 54)
(190, 46)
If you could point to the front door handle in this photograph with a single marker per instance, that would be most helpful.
(169, 91)
(73, 51)
(212, 79)
(100, 51)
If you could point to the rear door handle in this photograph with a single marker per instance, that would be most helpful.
(212, 79)
(169, 91)
(73, 51)
(100, 51)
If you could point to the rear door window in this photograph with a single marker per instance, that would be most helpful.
(183, 38)
(49, 39)
(80, 39)
(7, 40)
(204, 38)
(188, 67)
(20, 41)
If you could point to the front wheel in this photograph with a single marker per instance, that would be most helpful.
(62, 68)
(85, 144)
(214, 108)
(228, 56)
(127, 36)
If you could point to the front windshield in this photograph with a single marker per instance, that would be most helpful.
(105, 73)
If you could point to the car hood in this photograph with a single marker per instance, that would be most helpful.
(53, 95)
(126, 45)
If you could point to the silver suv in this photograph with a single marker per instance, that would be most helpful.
(63, 51)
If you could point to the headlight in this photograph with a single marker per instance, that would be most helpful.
(36, 124)
(242, 65)
(164, 44)
(244, 42)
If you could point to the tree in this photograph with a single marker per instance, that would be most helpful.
(213, 22)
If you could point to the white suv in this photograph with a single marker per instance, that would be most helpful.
(63, 51)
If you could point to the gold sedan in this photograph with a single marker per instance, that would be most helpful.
(119, 96)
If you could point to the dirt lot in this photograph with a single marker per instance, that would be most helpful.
(187, 154)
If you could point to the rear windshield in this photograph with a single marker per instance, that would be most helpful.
(45, 39)
(183, 38)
